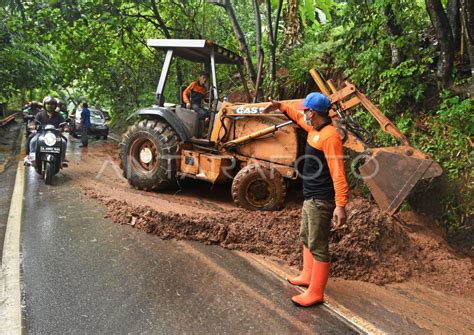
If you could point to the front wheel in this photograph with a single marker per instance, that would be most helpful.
(48, 173)
(259, 188)
(148, 155)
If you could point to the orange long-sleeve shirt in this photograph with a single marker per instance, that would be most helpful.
(324, 175)
(194, 93)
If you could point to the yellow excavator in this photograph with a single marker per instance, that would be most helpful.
(257, 152)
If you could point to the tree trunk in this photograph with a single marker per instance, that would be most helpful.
(467, 14)
(258, 46)
(293, 28)
(452, 8)
(258, 27)
(444, 35)
(239, 34)
(272, 36)
(393, 30)
(22, 97)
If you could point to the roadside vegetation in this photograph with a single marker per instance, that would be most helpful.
(414, 59)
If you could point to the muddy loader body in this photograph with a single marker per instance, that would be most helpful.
(257, 152)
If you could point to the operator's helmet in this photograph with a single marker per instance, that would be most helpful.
(50, 104)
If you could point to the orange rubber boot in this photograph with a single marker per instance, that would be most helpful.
(315, 292)
(305, 276)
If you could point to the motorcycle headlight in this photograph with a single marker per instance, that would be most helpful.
(50, 139)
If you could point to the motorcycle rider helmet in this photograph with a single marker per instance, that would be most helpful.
(50, 104)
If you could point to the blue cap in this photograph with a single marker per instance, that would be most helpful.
(317, 102)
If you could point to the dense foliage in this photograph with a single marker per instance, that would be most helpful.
(96, 51)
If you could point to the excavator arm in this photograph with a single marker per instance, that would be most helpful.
(391, 172)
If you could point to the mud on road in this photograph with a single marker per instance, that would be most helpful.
(370, 247)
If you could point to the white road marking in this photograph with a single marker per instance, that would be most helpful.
(10, 291)
(363, 326)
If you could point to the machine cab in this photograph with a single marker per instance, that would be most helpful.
(199, 51)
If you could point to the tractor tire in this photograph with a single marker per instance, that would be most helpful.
(148, 155)
(259, 188)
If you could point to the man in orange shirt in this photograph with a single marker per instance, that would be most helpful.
(325, 192)
(195, 93)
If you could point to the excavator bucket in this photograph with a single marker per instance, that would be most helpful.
(391, 173)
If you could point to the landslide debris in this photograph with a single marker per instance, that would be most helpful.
(370, 247)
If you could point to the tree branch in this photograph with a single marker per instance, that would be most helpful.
(161, 23)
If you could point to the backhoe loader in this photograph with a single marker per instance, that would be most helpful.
(257, 152)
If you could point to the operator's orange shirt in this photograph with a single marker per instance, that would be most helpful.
(324, 176)
(194, 93)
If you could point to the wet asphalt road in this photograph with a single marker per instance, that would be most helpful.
(85, 274)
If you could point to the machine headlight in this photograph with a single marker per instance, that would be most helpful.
(50, 139)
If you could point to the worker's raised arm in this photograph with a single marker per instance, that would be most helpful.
(289, 111)
(332, 148)
(293, 114)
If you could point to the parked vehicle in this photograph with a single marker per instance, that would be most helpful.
(49, 157)
(99, 124)
(106, 115)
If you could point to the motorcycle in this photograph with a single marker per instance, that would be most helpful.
(29, 114)
(49, 156)
(30, 125)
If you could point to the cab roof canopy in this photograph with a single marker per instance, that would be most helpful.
(196, 50)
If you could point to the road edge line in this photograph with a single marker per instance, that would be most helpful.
(341, 312)
(10, 308)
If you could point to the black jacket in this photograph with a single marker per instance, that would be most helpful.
(44, 119)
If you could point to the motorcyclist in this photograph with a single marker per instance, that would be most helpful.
(31, 109)
(47, 116)
(62, 108)
(34, 108)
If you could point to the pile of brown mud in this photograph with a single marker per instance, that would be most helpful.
(371, 246)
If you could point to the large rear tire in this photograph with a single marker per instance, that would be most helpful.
(259, 188)
(148, 155)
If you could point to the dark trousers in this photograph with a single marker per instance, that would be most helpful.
(85, 136)
(203, 113)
